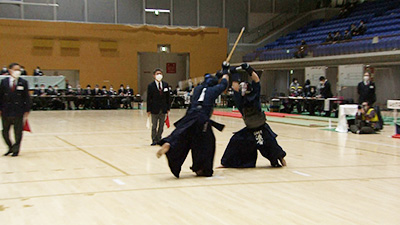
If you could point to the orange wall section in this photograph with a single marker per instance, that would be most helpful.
(207, 48)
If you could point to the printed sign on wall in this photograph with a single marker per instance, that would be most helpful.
(171, 67)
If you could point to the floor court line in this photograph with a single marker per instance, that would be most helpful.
(101, 160)
(199, 186)
(188, 173)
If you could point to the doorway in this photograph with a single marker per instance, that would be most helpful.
(175, 68)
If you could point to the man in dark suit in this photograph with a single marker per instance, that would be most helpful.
(15, 104)
(325, 92)
(366, 90)
(158, 104)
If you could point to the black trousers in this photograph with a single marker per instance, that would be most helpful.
(197, 137)
(18, 128)
(241, 151)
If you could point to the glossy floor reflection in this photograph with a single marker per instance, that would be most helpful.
(97, 167)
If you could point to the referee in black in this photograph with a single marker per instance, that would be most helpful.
(15, 104)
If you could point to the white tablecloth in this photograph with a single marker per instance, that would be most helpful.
(344, 110)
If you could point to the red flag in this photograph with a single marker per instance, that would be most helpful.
(167, 121)
(27, 127)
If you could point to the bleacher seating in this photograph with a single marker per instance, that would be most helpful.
(382, 19)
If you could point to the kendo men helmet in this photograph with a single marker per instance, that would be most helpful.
(210, 80)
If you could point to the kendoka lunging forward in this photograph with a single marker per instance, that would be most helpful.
(241, 151)
(194, 130)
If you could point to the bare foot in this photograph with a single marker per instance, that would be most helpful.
(283, 161)
(164, 149)
(220, 167)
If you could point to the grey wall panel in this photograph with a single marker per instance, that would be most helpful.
(211, 13)
(261, 6)
(10, 11)
(157, 4)
(71, 10)
(236, 14)
(101, 11)
(185, 12)
(161, 19)
(130, 11)
(38, 12)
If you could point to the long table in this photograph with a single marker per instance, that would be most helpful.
(72, 98)
(326, 102)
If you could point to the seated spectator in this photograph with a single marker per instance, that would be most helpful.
(362, 28)
(347, 35)
(37, 72)
(127, 102)
(98, 103)
(295, 88)
(344, 12)
(353, 30)
(23, 71)
(36, 90)
(302, 50)
(50, 90)
(329, 38)
(57, 103)
(69, 93)
(88, 99)
(4, 71)
(79, 100)
(367, 120)
(337, 37)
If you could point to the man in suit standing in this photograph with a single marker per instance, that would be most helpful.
(158, 104)
(15, 104)
(325, 92)
(366, 90)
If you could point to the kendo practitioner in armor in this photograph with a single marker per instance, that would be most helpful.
(241, 151)
(194, 130)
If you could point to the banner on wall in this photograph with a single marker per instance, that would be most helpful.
(350, 75)
(46, 80)
(314, 73)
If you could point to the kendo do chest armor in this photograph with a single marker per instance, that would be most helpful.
(253, 118)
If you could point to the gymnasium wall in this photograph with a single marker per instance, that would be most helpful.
(105, 54)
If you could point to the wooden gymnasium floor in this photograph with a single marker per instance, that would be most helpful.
(96, 167)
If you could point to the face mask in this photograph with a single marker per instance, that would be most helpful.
(127, 87)
(70, 87)
(42, 88)
(16, 74)
(111, 89)
(104, 89)
(56, 89)
(97, 89)
(159, 77)
(122, 88)
(88, 88)
(366, 78)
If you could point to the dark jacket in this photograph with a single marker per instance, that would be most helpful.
(366, 92)
(14, 103)
(158, 101)
(326, 91)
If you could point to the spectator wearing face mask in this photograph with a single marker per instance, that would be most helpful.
(158, 104)
(56, 102)
(88, 95)
(97, 101)
(37, 72)
(69, 93)
(79, 97)
(127, 102)
(23, 71)
(113, 100)
(366, 90)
